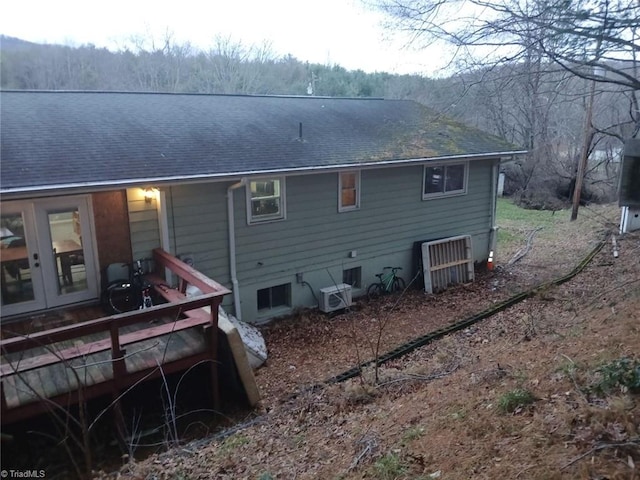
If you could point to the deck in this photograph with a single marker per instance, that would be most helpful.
(69, 364)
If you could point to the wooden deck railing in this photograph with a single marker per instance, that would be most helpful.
(187, 312)
(111, 324)
(186, 274)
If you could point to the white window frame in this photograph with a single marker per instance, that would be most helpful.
(452, 193)
(271, 307)
(281, 215)
(349, 208)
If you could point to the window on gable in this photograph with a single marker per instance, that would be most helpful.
(443, 180)
(265, 200)
(349, 191)
(273, 297)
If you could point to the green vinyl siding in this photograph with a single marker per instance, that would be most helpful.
(392, 216)
(143, 224)
(198, 227)
(315, 239)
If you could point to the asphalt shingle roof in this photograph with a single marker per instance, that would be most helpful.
(58, 139)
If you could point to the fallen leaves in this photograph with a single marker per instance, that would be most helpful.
(434, 415)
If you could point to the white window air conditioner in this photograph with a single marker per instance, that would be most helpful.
(335, 298)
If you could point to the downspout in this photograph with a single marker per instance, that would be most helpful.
(493, 234)
(232, 247)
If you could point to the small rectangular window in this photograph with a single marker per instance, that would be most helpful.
(273, 297)
(265, 200)
(352, 276)
(444, 180)
(349, 191)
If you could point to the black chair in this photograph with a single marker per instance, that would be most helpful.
(68, 261)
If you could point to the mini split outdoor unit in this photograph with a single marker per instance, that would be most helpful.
(335, 298)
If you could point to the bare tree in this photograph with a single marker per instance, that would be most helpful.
(539, 62)
(158, 66)
(597, 40)
(232, 67)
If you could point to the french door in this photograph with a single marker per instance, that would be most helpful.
(47, 257)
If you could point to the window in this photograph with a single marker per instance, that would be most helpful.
(272, 297)
(349, 191)
(352, 276)
(265, 200)
(443, 180)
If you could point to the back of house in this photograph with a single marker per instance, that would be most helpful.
(281, 199)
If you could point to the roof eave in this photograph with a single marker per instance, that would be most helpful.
(86, 187)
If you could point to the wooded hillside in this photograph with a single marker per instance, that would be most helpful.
(530, 103)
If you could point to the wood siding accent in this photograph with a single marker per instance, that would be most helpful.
(111, 219)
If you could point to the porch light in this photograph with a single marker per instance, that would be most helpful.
(149, 194)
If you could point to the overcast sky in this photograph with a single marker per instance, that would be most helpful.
(330, 32)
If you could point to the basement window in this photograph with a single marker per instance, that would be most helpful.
(444, 180)
(274, 297)
(352, 276)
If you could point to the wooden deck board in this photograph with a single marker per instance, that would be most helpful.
(10, 391)
(58, 359)
(52, 354)
(96, 367)
(33, 386)
(195, 339)
(64, 381)
(59, 378)
(144, 354)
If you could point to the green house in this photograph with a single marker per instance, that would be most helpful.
(278, 198)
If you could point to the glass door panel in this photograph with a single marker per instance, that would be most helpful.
(67, 260)
(22, 289)
(46, 256)
(17, 284)
(66, 244)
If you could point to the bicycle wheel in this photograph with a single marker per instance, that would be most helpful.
(121, 298)
(374, 290)
(398, 285)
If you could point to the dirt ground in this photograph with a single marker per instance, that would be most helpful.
(521, 394)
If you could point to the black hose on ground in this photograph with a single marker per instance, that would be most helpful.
(437, 334)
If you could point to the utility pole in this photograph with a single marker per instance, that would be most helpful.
(582, 165)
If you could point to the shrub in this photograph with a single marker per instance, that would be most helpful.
(623, 374)
(389, 467)
(515, 399)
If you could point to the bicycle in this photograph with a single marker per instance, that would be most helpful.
(387, 283)
(127, 295)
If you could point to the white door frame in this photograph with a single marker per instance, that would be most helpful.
(49, 269)
(42, 260)
(26, 210)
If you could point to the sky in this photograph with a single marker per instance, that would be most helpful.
(330, 32)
